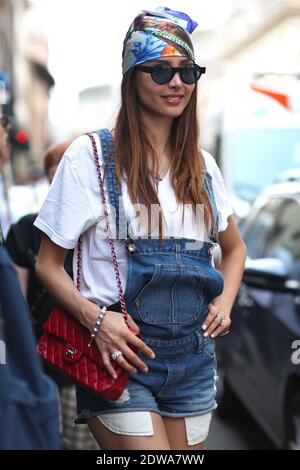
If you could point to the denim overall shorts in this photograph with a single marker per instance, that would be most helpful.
(168, 287)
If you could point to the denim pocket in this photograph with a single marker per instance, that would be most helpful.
(174, 295)
(209, 346)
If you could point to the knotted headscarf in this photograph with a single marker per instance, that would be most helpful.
(155, 34)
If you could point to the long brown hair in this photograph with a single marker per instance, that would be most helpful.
(132, 148)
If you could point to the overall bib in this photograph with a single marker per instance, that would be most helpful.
(168, 287)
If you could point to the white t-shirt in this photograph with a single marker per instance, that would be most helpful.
(73, 206)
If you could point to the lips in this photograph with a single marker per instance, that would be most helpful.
(173, 99)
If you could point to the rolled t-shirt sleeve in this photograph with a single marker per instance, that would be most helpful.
(68, 210)
(221, 195)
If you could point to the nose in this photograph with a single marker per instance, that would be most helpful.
(175, 81)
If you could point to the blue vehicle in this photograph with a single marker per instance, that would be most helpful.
(260, 358)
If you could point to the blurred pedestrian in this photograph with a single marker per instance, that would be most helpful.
(4, 156)
(177, 299)
(28, 398)
(4, 150)
(23, 243)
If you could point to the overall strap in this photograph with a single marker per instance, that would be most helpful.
(213, 234)
(113, 187)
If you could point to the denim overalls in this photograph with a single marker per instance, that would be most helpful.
(168, 288)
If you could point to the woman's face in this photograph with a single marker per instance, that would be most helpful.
(167, 100)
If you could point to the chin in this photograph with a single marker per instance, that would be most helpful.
(166, 111)
(173, 113)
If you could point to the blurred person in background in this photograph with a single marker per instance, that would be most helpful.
(4, 156)
(28, 399)
(175, 296)
(23, 243)
(29, 415)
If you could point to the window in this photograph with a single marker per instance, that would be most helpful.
(283, 241)
(256, 157)
(258, 228)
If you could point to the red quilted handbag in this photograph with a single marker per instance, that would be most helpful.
(64, 344)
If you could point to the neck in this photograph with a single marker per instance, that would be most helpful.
(158, 131)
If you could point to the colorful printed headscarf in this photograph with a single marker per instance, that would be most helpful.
(159, 33)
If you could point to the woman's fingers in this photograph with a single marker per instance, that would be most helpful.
(216, 322)
(128, 359)
(210, 318)
(125, 358)
(122, 362)
(221, 329)
(114, 336)
(106, 360)
(140, 345)
(134, 359)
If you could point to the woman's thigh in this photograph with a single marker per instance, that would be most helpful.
(109, 440)
(187, 433)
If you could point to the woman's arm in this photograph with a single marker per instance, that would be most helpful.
(113, 334)
(232, 264)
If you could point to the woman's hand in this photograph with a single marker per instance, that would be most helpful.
(113, 336)
(217, 322)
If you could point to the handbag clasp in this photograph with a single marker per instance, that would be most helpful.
(71, 354)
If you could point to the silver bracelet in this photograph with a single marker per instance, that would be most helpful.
(97, 325)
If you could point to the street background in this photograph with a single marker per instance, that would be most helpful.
(60, 74)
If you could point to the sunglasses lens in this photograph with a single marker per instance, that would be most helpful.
(190, 74)
(162, 74)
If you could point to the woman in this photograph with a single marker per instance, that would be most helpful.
(173, 293)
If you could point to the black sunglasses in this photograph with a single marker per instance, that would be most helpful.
(5, 122)
(163, 73)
